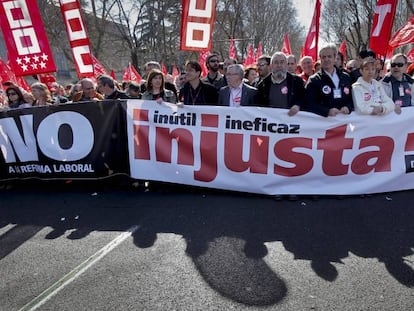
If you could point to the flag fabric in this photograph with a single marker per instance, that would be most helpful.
(175, 72)
(382, 26)
(6, 74)
(113, 76)
(410, 55)
(404, 35)
(164, 69)
(131, 74)
(22, 83)
(311, 43)
(286, 46)
(202, 60)
(25, 38)
(342, 49)
(98, 68)
(78, 38)
(249, 60)
(197, 22)
(232, 50)
(259, 52)
(47, 78)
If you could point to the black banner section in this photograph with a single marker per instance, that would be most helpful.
(67, 141)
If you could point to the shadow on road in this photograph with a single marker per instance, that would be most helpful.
(225, 232)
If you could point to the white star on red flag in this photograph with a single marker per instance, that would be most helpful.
(27, 59)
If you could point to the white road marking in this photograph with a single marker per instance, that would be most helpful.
(77, 271)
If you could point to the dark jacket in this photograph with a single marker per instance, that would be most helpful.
(205, 94)
(248, 96)
(296, 91)
(319, 93)
(117, 95)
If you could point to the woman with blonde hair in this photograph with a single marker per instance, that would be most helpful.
(155, 88)
(41, 94)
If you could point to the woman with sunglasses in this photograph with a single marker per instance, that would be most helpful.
(15, 98)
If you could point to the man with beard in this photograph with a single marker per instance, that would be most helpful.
(281, 89)
(263, 69)
(214, 77)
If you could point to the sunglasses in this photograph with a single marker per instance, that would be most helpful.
(393, 65)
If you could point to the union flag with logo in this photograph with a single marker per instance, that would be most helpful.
(25, 38)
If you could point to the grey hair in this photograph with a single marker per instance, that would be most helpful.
(278, 54)
(238, 69)
(329, 46)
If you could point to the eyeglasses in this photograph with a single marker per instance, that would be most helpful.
(393, 65)
(11, 94)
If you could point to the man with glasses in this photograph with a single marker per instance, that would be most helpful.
(263, 69)
(397, 84)
(236, 93)
(281, 89)
(214, 77)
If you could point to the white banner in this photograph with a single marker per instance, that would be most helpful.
(263, 150)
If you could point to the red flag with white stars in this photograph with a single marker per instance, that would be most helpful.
(25, 38)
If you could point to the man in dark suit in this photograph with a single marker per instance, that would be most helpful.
(236, 93)
(106, 86)
(281, 89)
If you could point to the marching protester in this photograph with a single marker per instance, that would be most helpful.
(263, 69)
(156, 65)
(88, 92)
(15, 98)
(133, 90)
(41, 94)
(236, 93)
(281, 89)
(397, 84)
(306, 63)
(195, 91)
(291, 64)
(368, 94)
(328, 91)
(250, 74)
(106, 86)
(155, 88)
(214, 77)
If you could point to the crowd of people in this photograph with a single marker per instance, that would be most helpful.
(326, 87)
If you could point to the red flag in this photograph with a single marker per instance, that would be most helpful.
(259, 52)
(25, 38)
(410, 55)
(131, 74)
(164, 69)
(250, 57)
(23, 84)
(232, 50)
(311, 43)
(286, 46)
(202, 60)
(197, 21)
(98, 68)
(175, 72)
(342, 49)
(113, 76)
(6, 74)
(404, 35)
(382, 25)
(78, 38)
(47, 78)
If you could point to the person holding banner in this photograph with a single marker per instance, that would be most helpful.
(281, 89)
(397, 84)
(328, 91)
(368, 94)
(236, 93)
(42, 95)
(195, 91)
(155, 88)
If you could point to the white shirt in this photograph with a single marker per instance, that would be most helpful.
(235, 96)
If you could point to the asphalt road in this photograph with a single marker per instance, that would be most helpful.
(108, 246)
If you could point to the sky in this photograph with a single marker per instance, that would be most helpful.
(305, 10)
